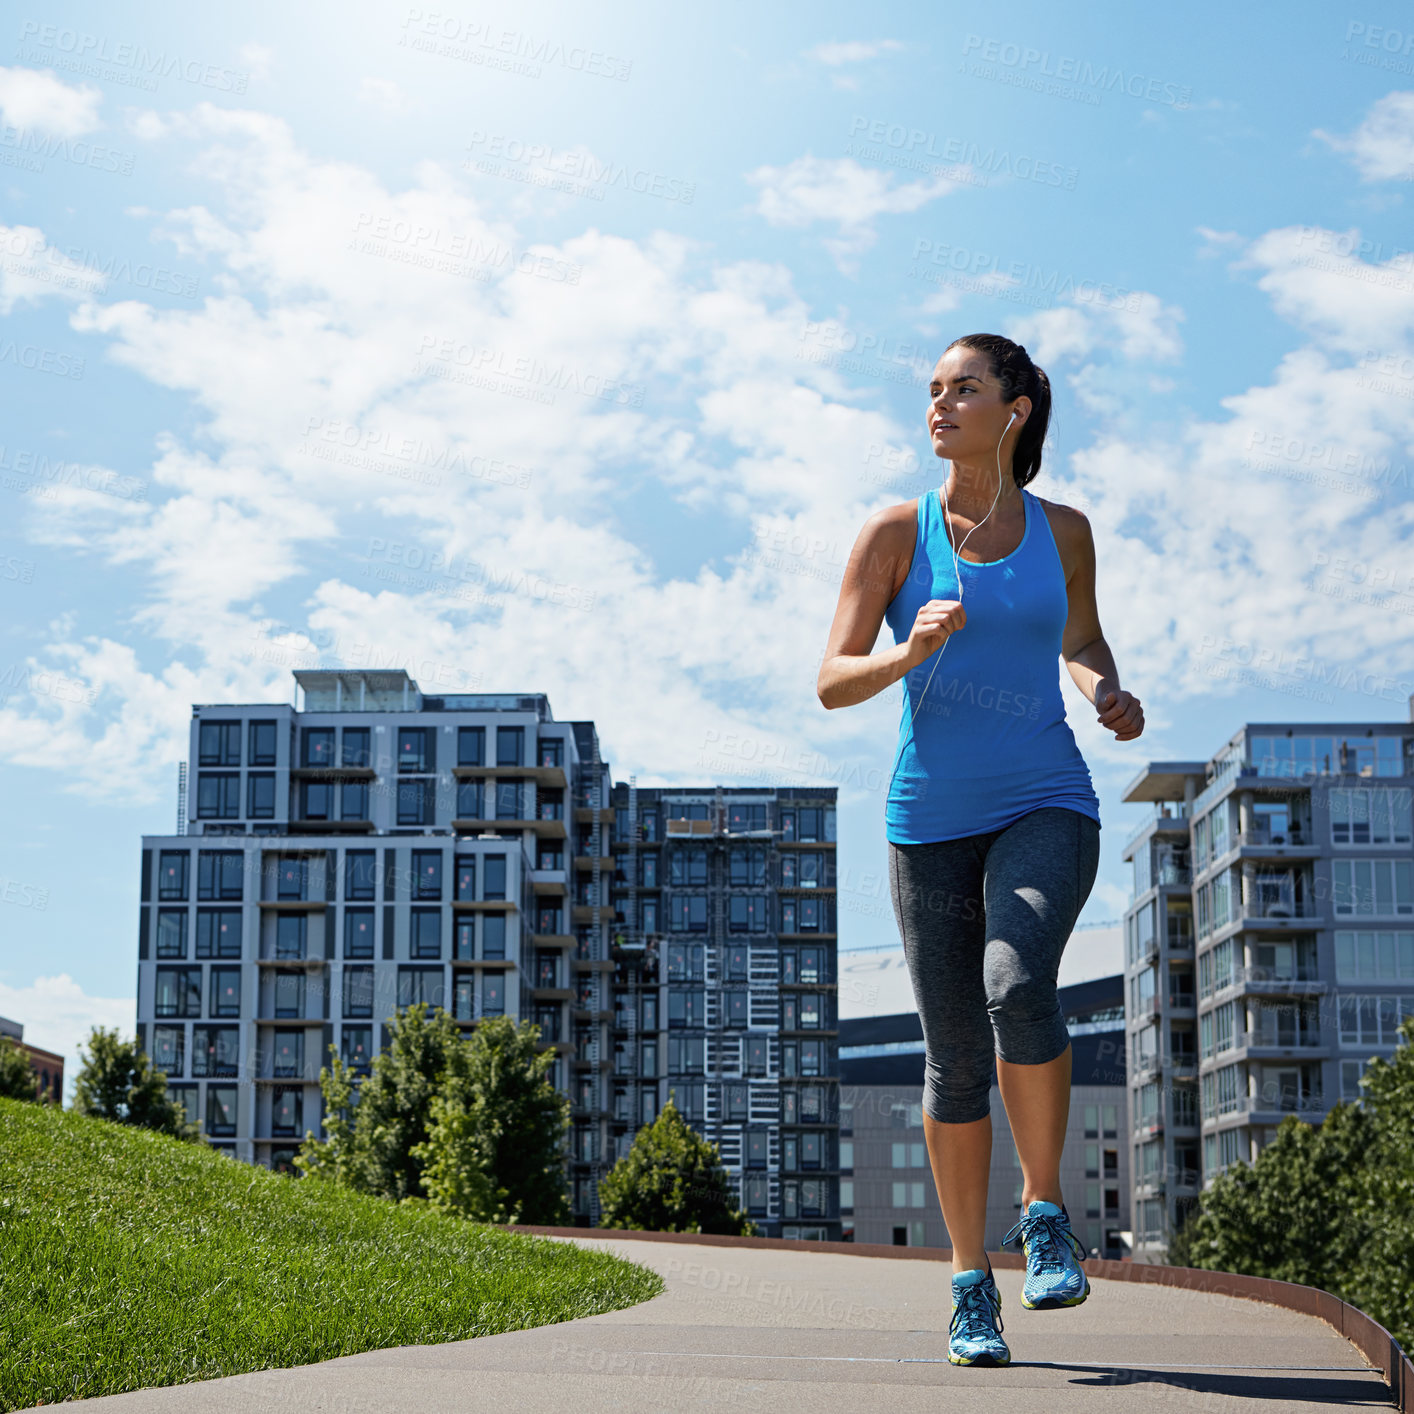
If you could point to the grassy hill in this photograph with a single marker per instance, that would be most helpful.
(129, 1260)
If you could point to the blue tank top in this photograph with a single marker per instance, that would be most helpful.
(990, 741)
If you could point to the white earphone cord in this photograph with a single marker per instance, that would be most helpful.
(957, 573)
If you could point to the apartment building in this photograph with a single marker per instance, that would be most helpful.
(373, 848)
(1269, 945)
(887, 1190)
(376, 846)
(725, 950)
(48, 1068)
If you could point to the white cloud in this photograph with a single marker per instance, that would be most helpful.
(1216, 242)
(336, 285)
(1382, 147)
(842, 192)
(851, 51)
(58, 1015)
(34, 98)
(257, 59)
(31, 269)
(383, 94)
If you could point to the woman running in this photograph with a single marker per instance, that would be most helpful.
(992, 823)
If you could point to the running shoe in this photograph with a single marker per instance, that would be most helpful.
(974, 1336)
(1053, 1254)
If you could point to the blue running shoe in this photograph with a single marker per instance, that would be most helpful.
(974, 1337)
(1053, 1273)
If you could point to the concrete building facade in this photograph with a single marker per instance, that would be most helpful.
(1269, 946)
(888, 1194)
(378, 847)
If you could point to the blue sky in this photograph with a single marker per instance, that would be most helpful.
(654, 290)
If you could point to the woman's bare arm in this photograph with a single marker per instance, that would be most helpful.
(849, 672)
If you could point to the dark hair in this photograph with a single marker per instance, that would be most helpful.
(1011, 366)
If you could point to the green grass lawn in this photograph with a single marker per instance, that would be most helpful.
(129, 1260)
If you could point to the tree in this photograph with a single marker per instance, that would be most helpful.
(671, 1180)
(1381, 1281)
(17, 1079)
(117, 1082)
(495, 1151)
(372, 1150)
(1323, 1204)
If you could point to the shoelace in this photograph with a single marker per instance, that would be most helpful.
(974, 1309)
(1044, 1233)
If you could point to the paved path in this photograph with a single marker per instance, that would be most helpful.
(757, 1329)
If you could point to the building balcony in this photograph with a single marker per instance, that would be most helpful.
(330, 827)
(553, 940)
(1285, 913)
(1277, 1046)
(1304, 981)
(1272, 1109)
(1295, 844)
(1148, 1126)
(586, 862)
(1184, 1004)
(1148, 1187)
(1147, 1010)
(550, 777)
(552, 994)
(333, 773)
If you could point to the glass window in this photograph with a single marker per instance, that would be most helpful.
(495, 883)
(178, 991)
(169, 1049)
(471, 746)
(172, 932)
(358, 932)
(225, 991)
(262, 743)
(220, 1110)
(215, 1050)
(493, 936)
(218, 932)
(358, 991)
(172, 867)
(219, 744)
(426, 925)
(287, 1111)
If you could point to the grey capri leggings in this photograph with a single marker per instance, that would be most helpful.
(984, 920)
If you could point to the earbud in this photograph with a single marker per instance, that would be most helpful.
(956, 553)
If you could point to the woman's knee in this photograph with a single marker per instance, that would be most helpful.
(956, 1092)
(1027, 1018)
